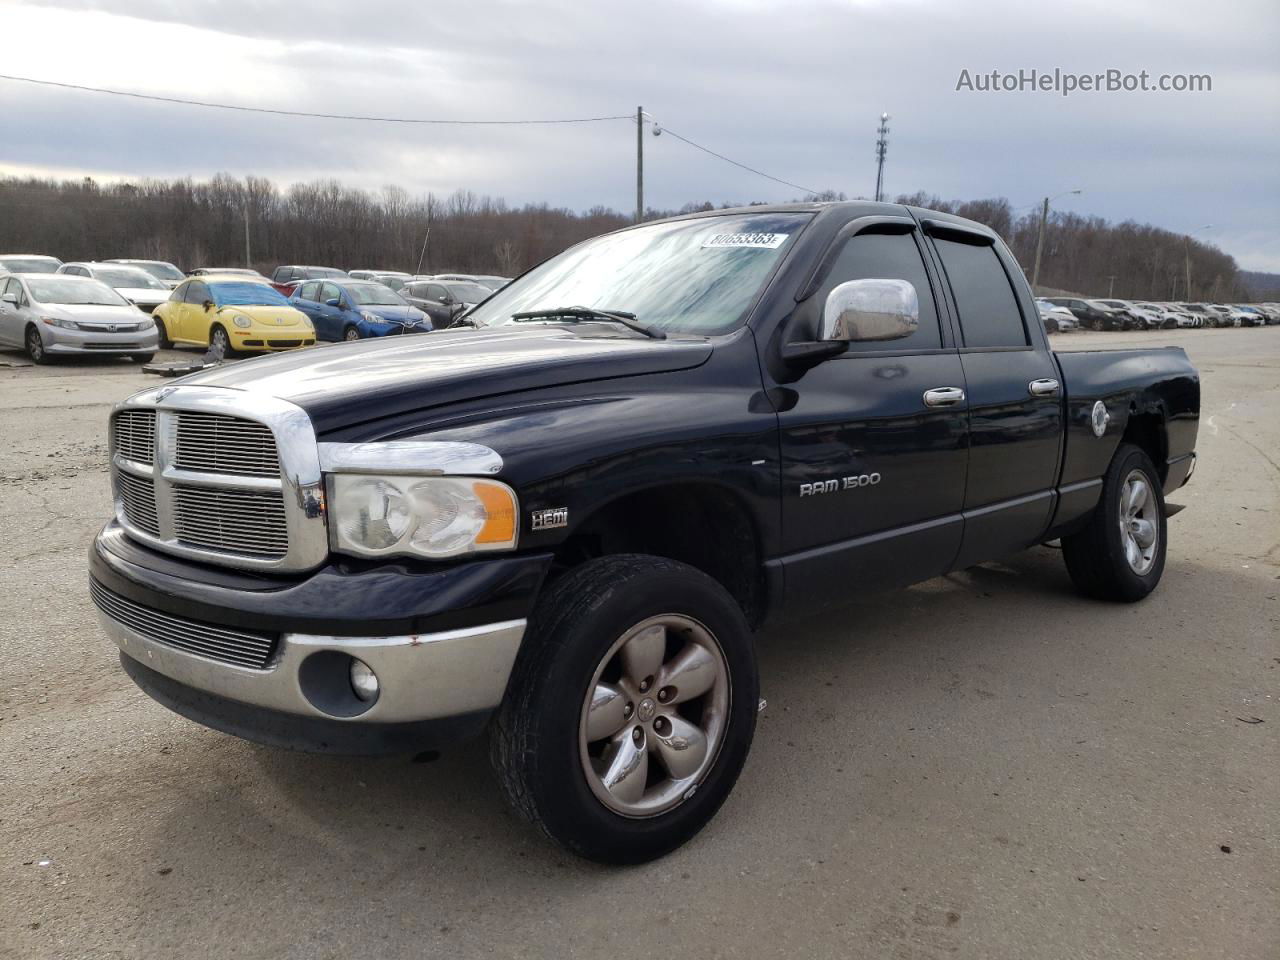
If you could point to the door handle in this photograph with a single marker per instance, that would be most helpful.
(943, 397)
(1043, 388)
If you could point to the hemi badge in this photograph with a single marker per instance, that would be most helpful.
(550, 519)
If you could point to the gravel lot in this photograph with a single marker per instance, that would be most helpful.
(982, 766)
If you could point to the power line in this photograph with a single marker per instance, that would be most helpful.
(721, 156)
(297, 113)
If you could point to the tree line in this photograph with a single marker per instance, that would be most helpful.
(230, 222)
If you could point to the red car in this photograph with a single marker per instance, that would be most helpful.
(286, 278)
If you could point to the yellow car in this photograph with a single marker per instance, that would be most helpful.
(232, 313)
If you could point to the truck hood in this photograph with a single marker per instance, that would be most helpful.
(350, 383)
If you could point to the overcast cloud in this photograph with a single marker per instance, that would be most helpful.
(791, 88)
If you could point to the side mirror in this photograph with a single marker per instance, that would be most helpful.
(871, 310)
(10, 298)
(208, 305)
(858, 311)
(333, 302)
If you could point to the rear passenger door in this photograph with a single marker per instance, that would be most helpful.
(874, 444)
(1015, 397)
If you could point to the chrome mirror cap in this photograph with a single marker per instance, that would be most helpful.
(871, 310)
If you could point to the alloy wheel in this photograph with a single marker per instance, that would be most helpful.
(1139, 525)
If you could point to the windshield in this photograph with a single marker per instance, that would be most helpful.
(234, 271)
(374, 295)
(696, 276)
(161, 271)
(75, 290)
(30, 264)
(326, 272)
(467, 292)
(246, 294)
(127, 277)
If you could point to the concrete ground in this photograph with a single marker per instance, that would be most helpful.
(983, 766)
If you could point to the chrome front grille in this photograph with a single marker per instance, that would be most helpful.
(220, 476)
(243, 648)
(234, 521)
(138, 500)
(135, 435)
(213, 443)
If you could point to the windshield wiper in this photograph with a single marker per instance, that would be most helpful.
(627, 320)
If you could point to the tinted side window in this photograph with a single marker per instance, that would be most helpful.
(886, 256)
(308, 290)
(329, 292)
(989, 314)
(435, 291)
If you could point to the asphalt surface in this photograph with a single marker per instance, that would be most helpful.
(984, 766)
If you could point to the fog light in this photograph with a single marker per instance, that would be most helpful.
(363, 680)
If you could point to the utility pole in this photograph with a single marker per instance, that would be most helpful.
(1111, 287)
(248, 259)
(1044, 220)
(882, 148)
(639, 164)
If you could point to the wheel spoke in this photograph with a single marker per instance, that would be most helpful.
(1131, 552)
(642, 655)
(627, 771)
(692, 672)
(1137, 498)
(606, 713)
(683, 749)
(1144, 531)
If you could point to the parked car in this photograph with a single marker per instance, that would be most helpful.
(1246, 315)
(137, 286)
(1089, 316)
(286, 278)
(1168, 318)
(564, 527)
(232, 314)
(444, 300)
(1207, 317)
(227, 272)
(162, 270)
(1056, 319)
(53, 315)
(356, 309)
(395, 279)
(28, 263)
(1141, 318)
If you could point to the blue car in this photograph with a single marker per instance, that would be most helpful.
(356, 309)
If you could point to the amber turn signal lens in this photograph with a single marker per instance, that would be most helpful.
(500, 507)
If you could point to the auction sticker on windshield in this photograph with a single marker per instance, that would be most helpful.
(763, 241)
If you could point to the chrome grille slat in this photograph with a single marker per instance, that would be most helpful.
(237, 521)
(215, 443)
(138, 497)
(135, 435)
(224, 644)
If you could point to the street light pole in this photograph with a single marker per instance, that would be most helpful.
(639, 164)
(1044, 219)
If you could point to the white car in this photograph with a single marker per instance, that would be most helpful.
(1148, 318)
(135, 285)
(1064, 318)
(53, 314)
(162, 270)
(28, 263)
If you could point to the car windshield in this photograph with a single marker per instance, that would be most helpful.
(374, 295)
(74, 290)
(467, 292)
(246, 294)
(30, 264)
(234, 271)
(327, 272)
(697, 276)
(161, 271)
(127, 277)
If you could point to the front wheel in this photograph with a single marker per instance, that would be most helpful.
(631, 708)
(1120, 554)
(142, 357)
(220, 343)
(351, 333)
(35, 346)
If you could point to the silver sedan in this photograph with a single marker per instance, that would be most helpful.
(51, 315)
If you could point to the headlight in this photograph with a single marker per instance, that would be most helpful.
(60, 322)
(241, 321)
(432, 517)
(146, 323)
(374, 318)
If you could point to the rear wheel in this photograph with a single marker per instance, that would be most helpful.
(631, 709)
(35, 346)
(1120, 554)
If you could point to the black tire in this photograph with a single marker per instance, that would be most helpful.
(36, 352)
(1095, 555)
(142, 357)
(350, 334)
(165, 343)
(534, 743)
(218, 335)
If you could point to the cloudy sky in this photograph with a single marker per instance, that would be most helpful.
(793, 88)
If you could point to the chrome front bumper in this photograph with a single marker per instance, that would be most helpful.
(422, 677)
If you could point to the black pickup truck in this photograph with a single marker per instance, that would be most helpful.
(561, 520)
